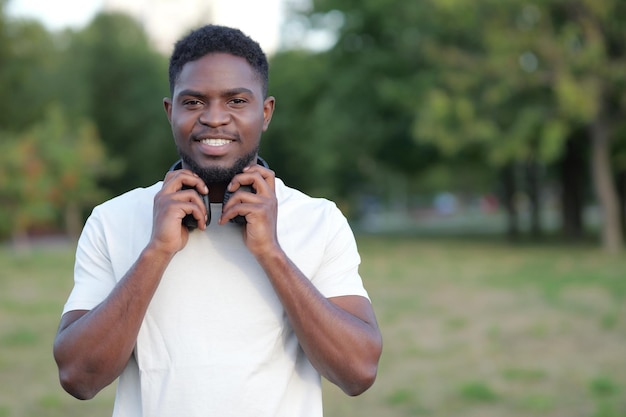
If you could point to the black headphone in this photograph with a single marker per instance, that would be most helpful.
(191, 222)
(179, 164)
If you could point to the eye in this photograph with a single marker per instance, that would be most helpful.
(192, 104)
(237, 101)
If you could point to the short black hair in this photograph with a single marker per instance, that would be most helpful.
(215, 39)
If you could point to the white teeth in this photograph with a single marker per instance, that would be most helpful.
(215, 142)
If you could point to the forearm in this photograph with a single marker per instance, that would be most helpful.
(92, 349)
(339, 336)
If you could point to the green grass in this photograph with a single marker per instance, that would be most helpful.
(33, 288)
(484, 328)
(471, 328)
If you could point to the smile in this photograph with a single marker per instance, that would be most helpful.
(215, 142)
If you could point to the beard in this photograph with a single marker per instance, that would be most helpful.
(217, 174)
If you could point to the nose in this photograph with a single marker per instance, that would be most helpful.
(214, 115)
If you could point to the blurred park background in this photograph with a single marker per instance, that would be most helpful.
(477, 147)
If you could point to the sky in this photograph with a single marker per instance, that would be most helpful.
(56, 14)
(261, 19)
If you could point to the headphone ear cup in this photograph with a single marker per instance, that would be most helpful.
(227, 195)
(191, 221)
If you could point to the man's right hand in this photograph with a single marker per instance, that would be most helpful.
(171, 205)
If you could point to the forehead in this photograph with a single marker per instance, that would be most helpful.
(219, 71)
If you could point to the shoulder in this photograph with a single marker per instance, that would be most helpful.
(119, 222)
(301, 211)
(129, 210)
(138, 198)
(291, 198)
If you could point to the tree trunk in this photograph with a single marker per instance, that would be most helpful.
(73, 221)
(573, 173)
(509, 189)
(621, 191)
(612, 238)
(534, 195)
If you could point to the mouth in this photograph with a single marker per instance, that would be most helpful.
(215, 146)
(215, 142)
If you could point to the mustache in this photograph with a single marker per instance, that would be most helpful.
(213, 134)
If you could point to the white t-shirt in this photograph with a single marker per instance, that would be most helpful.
(215, 340)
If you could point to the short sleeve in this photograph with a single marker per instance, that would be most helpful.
(94, 277)
(338, 273)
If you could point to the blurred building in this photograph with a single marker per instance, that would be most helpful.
(166, 20)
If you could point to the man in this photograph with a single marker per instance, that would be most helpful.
(223, 319)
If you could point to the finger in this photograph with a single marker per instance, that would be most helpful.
(178, 204)
(267, 174)
(238, 204)
(183, 178)
(199, 213)
(240, 209)
(188, 195)
(261, 179)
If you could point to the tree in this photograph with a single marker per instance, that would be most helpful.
(488, 95)
(573, 171)
(30, 60)
(125, 81)
(518, 78)
(502, 85)
(597, 68)
(297, 81)
(49, 170)
(339, 115)
(27, 61)
(76, 161)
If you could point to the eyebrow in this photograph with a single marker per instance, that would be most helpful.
(226, 93)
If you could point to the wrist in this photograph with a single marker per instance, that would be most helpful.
(271, 255)
(156, 251)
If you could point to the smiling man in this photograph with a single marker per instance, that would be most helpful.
(218, 318)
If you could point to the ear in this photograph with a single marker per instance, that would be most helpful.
(167, 104)
(268, 111)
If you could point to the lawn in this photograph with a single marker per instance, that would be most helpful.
(471, 328)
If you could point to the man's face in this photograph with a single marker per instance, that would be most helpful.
(217, 114)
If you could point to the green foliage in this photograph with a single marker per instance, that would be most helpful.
(81, 118)
(411, 87)
(28, 62)
(351, 124)
(289, 145)
(47, 168)
(414, 96)
(126, 81)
